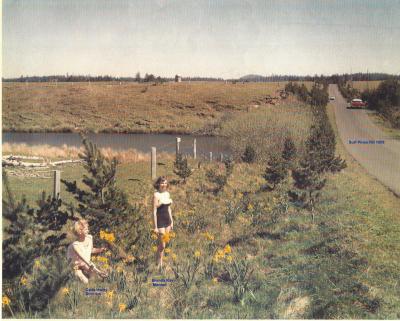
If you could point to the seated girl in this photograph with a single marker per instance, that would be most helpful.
(79, 253)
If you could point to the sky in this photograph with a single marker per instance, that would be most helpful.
(219, 38)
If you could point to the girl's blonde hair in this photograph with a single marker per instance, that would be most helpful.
(79, 226)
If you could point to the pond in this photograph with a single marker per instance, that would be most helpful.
(140, 142)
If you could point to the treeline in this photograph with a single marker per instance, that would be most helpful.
(335, 78)
(83, 78)
(105, 78)
(385, 100)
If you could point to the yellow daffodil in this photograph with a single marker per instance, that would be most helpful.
(6, 300)
(197, 254)
(227, 249)
(208, 236)
(102, 259)
(215, 280)
(173, 256)
(37, 263)
(23, 280)
(65, 291)
(154, 236)
(154, 248)
(166, 237)
(250, 207)
(106, 266)
(229, 258)
(172, 235)
(167, 250)
(109, 237)
(109, 295)
(122, 307)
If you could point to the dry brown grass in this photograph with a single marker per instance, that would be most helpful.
(267, 128)
(364, 85)
(71, 152)
(130, 107)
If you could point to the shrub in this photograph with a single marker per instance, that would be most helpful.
(181, 167)
(276, 171)
(220, 179)
(239, 273)
(249, 154)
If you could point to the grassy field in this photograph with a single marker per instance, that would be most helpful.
(344, 265)
(364, 85)
(195, 107)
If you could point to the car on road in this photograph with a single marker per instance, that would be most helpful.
(357, 103)
(332, 98)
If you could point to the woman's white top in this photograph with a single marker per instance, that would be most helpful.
(84, 249)
(163, 197)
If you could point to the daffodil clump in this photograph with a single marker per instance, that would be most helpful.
(122, 307)
(108, 237)
(208, 236)
(65, 291)
(222, 254)
(166, 237)
(6, 300)
(23, 281)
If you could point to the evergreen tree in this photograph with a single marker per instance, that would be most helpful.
(181, 167)
(104, 205)
(318, 160)
(221, 179)
(289, 151)
(249, 154)
(276, 171)
(32, 270)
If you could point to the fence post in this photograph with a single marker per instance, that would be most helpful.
(178, 140)
(194, 149)
(210, 156)
(153, 163)
(56, 183)
(221, 157)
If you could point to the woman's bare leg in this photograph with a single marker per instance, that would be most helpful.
(161, 247)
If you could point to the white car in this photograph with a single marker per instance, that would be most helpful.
(332, 98)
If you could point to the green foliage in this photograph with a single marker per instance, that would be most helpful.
(232, 211)
(385, 100)
(43, 283)
(239, 272)
(347, 90)
(104, 205)
(186, 271)
(249, 154)
(289, 151)
(221, 179)
(181, 167)
(34, 266)
(318, 159)
(319, 96)
(276, 171)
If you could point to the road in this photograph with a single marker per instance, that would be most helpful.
(363, 140)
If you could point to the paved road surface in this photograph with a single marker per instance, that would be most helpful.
(358, 133)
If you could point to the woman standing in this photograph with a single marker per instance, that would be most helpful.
(162, 215)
